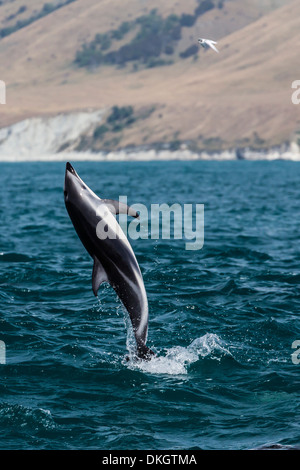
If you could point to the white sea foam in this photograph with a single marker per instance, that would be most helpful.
(177, 360)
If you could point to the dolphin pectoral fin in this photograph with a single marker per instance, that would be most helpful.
(99, 275)
(117, 207)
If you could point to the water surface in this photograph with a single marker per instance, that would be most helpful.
(222, 319)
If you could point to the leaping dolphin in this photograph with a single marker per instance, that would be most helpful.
(114, 259)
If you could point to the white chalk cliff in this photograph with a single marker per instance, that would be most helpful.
(55, 138)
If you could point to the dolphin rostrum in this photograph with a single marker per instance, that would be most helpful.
(114, 259)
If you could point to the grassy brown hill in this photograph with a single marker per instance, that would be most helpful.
(239, 97)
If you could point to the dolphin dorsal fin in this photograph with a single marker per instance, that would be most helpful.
(99, 275)
(117, 207)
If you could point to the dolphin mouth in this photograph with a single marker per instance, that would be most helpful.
(71, 169)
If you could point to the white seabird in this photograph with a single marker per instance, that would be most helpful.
(208, 43)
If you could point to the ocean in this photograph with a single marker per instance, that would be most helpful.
(223, 319)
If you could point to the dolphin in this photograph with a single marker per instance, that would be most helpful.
(114, 260)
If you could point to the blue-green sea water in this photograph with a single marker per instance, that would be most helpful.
(222, 320)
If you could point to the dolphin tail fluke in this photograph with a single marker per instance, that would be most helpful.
(143, 352)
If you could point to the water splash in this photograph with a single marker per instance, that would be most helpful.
(178, 359)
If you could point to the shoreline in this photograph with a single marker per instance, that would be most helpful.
(289, 154)
(56, 138)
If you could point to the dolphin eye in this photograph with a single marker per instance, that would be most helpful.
(65, 193)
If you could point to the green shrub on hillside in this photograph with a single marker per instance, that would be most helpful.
(204, 6)
(120, 114)
(123, 29)
(187, 20)
(118, 119)
(191, 50)
(100, 131)
(155, 36)
(47, 8)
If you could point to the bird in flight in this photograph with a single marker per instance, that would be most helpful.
(208, 43)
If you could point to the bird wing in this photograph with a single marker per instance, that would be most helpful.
(212, 45)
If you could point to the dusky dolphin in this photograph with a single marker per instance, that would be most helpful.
(114, 259)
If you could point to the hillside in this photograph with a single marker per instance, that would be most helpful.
(240, 97)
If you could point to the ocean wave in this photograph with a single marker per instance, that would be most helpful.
(222, 320)
(15, 258)
(14, 415)
(276, 447)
